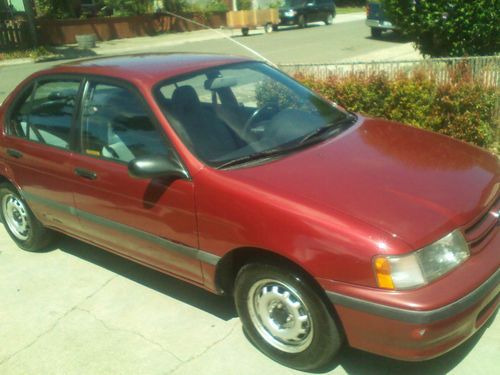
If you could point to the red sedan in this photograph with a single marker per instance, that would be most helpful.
(325, 226)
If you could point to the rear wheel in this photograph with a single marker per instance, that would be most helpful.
(21, 225)
(268, 28)
(376, 33)
(245, 31)
(329, 19)
(285, 317)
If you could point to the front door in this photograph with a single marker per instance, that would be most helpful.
(149, 220)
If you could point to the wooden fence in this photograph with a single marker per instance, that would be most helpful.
(14, 35)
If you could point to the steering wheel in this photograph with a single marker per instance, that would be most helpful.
(258, 115)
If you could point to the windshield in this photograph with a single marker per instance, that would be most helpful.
(228, 113)
(293, 3)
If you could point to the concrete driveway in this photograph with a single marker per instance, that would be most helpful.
(77, 309)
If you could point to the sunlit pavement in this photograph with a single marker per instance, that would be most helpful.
(77, 309)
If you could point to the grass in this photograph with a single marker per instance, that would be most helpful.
(345, 10)
(32, 53)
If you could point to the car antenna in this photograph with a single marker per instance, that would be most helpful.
(223, 35)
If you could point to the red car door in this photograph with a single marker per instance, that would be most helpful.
(149, 220)
(38, 131)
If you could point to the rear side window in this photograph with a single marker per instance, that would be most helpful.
(115, 125)
(46, 115)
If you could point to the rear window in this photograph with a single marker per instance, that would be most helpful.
(45, 114)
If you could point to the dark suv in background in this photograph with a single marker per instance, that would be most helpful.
(376, 19)
(300, 12)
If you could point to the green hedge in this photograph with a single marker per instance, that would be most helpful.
(461, 108)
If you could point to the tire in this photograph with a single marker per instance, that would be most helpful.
(376, 33)
(245, 31)
(302, 22)
(20, 223)
(329, 19)
(275, 27)
(268, 28)
(306, 344)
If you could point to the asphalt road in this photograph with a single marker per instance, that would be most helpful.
(315, 44)
(346, 41)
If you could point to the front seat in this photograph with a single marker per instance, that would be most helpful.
(209, 136)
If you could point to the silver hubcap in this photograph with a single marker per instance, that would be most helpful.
(16, 216)
(329, 19)
(280, 316)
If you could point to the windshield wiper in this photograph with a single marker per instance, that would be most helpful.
(256, 156)
(338, 126)
(334, 126)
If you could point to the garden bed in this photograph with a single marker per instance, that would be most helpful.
(58, 32)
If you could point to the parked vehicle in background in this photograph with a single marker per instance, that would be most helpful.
(300, 12)
(376, 19)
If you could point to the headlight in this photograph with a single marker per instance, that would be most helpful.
(422, 266)
(290, 13)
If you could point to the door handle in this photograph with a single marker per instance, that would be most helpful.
(85, 173)
(14, 153)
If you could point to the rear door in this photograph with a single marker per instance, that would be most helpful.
(39, 135)
(150, 221)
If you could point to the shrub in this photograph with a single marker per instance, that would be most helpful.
(462, 108)
(175, 6)
(56, 8)
(129, 7)
(183, 7)
(244, 4)
(448, 27)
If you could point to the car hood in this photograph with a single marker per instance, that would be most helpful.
(411, 183)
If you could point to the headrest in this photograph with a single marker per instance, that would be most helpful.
(185, 99)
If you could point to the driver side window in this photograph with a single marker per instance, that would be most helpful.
(116, 126)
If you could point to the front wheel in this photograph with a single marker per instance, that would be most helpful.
(376, 33)
(21, 225)
(285, 317)
(302, 22)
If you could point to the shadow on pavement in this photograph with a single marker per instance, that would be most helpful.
(352, 361)
(391, 37)
(280, 29)
(218, 306)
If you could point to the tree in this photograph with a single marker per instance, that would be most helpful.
(442, 28)
(129, 7)
(57, 8)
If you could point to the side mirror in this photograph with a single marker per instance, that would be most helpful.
(148, 167)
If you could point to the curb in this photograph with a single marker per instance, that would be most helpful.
(16, 61)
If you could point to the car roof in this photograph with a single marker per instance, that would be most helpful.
(146, 68)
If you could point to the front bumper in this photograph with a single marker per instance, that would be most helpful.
(400, 324)
(288, 20)
(376, 24)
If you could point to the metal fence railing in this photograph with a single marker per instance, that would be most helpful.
(483, 69)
